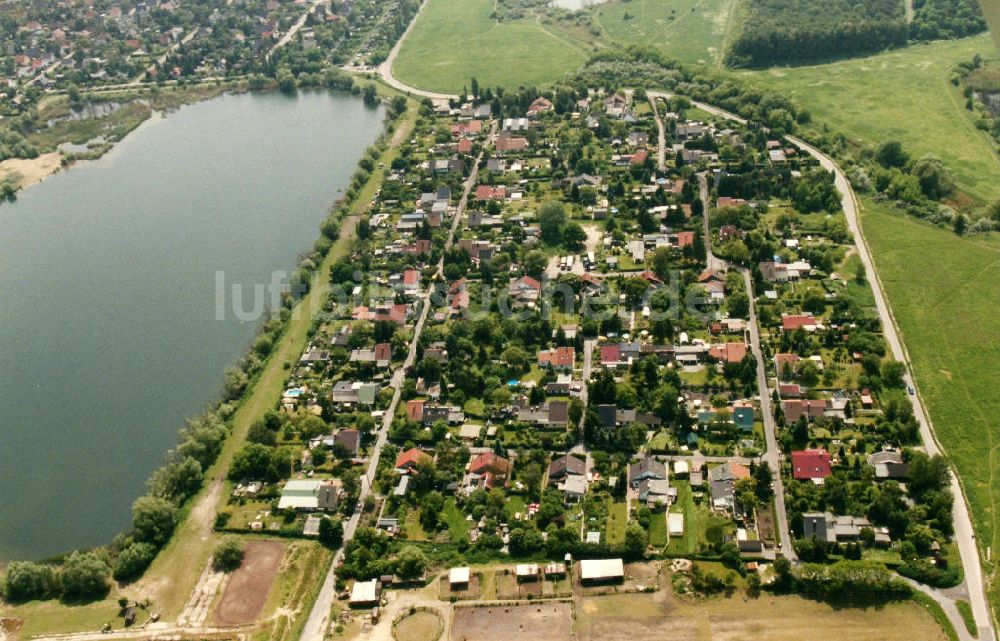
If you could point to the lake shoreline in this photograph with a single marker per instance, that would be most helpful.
(154, 216)
(23, 173)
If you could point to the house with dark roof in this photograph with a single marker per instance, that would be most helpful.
(645, 469)
(564, 466)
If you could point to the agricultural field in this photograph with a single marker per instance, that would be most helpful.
(641, 617)
(691, 31)
(947, 314)
(455, 40)
(903, 95)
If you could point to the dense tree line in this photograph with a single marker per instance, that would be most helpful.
(775, 31)
(946, 19)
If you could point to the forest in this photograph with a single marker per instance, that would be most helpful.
(774, 31)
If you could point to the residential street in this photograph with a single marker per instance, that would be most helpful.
(773, 452)
(319, 618)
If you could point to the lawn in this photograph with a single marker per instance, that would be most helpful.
(617, 520)
(697, 518)
(455, 40)
(658, 536)
(945, 302)
(691, 31)
(903, 95)
(458, 527)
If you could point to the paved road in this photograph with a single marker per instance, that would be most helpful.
(661, 135)
(772, 453)
(294, 29)
(964, 533)
(385, 69)
(319, 617)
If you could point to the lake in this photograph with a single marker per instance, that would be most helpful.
(576, 5)
(108, 330)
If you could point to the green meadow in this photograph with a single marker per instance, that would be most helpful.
(691, 31)
(943, 295)
(455, 40)
(904, 95)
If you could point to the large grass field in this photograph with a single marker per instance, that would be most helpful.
(904, 95)
(943, 294)
(455, 40)
(691, 31)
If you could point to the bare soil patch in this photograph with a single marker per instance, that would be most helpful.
(644, 617)
(22, 172)
(422, 625)
(247, 589)
(537, 622)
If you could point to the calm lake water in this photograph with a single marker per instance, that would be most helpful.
(575, 5)
(108, 337)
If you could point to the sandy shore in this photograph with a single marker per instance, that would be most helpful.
(23, 172)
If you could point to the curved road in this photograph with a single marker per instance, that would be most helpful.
(964, 533)
(385, 69)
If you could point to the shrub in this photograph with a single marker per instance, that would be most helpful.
(228, 555)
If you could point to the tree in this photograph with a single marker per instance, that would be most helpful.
(892, 374)
(891, 154)
(251, 462)
(636, 540)
(574, 236)
(935, 180)
(133, 561)
(535, 263)
(84, 575)
(153, 520)
(25, 581)
(370, 95)
(551, 220)
(430, 510)
(228, 555)
(960, 224)
(411, 562)
(331, 532)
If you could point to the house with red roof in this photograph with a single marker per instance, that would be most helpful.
(557, 358)
(464, 146)
(792, 322)
(611, 355)
(415, 409)
(411, 280)
(491, 192)
(408, 461)
(811, 465)
(685, 239)
(488, 470)
(540, 105)
(728, 352)
(785, 364)
(795, 409)
(506, 142)
(639, 157)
